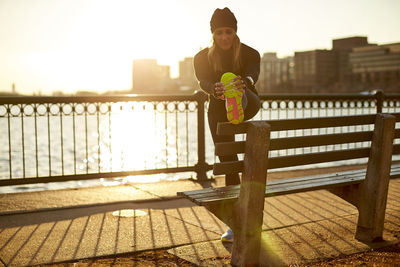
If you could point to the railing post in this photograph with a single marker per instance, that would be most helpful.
(379, 95)
(201, 166)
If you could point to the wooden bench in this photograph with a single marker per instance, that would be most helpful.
(241, 207)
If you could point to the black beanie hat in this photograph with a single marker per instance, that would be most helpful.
(223, 18)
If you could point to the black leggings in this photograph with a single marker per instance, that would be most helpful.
(217, 113)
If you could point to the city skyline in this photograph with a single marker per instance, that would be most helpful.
(79, 45)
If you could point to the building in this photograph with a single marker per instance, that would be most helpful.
(276, 74)
(342, 48)
(376, 67)
(187, 79)
(148, 77)
(315, 71)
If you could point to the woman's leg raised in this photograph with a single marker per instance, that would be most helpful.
(217, 113)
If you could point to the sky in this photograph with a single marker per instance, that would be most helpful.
(70, 45)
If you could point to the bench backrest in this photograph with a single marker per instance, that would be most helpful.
(316, 132)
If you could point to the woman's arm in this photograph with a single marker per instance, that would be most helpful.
(202, 70)
(252, 68)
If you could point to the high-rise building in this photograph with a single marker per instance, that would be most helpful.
(276, 74)
(149, 77)
(376, 67)
(349, 43)
(315, 71)
(342, 48)
(187, 79)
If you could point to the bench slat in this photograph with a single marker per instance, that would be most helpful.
(212, 191)
(298, 124)
(319, 140)
(397, 133)
(231, 148)
(323, 122)
(274, 189)
(228, 167)
(208, 190)
(289, 189)
(224, 190)
(293, 124)
(352, 173)
(396, 149)
(320, 157)
(295, 160)
(396, 115)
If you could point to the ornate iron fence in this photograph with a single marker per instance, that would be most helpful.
(53, 139)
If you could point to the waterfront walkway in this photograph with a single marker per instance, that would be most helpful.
(63, 225)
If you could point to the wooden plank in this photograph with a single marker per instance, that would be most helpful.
(321, 122)
(229, 148)
(396, 149)
(319, 140)
(352, 173)
(209, 189)
(396, 115)
(313, 158)
(298, 124)
(233, 148)
(298, 188)
(193, 193)
(284, 189)
(226, 128)
(295, 160)
(222, 192)
(228, 167)
(397, 133)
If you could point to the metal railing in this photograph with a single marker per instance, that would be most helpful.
(53, 139)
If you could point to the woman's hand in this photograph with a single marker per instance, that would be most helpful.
(238, 83)
(219, 91)
(219, 87)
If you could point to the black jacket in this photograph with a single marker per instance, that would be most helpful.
(207, 77)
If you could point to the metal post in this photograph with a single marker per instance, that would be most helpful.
(201, 166)
(379, 100)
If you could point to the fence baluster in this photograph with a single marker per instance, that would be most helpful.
(23, 140)
(35, 106)
(48, 135)
(62, 138)
(9, 140)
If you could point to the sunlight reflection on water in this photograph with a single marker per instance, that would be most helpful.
(133, 136)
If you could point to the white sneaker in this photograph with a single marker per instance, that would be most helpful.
(227, 236)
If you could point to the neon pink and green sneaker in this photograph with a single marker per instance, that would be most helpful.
(233, 99)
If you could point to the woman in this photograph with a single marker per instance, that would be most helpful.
(227, 54)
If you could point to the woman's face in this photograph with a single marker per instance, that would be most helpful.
(224, 37)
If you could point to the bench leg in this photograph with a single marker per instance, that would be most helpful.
(249, 212)
(225, 212)
(348, 193)
(374, 190)
(248, 226)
